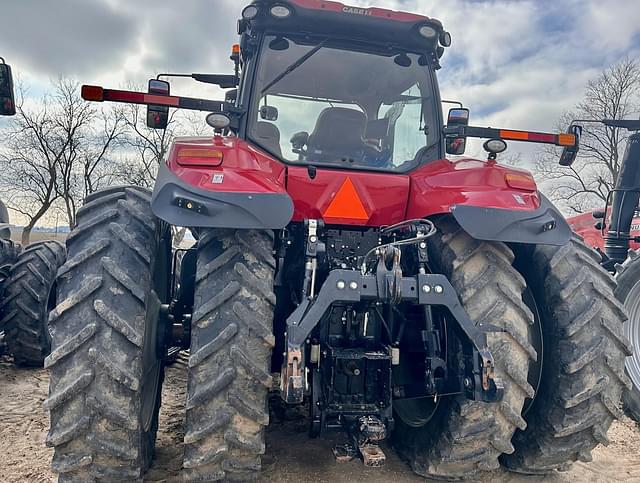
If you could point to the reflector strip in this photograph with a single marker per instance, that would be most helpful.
(566, 139)
(92, 93)
(346, 204)
(95, 93)
(521, 135)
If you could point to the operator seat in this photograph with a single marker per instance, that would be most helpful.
(268, 135)
(339, 133)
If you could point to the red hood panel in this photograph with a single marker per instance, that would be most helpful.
(243, 167)
(382, 196)
(437, 186)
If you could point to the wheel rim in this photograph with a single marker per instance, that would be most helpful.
(151, 360)
(537, 340)
(632, 331)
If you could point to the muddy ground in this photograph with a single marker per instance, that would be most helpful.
(291, 456)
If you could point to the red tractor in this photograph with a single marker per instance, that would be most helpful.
(398, 294)
(615, 233)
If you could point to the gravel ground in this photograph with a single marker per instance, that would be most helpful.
(291, 455)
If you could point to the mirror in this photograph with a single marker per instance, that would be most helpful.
(269, 113)
(7, 99)
(570, 153)
(457, 145)
(158, 116)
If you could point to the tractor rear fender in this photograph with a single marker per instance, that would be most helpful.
(490, 202)
(221, 183)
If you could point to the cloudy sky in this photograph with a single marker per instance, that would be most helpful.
(515, 63)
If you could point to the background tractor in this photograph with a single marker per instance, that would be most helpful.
(615, 232)
(440, 303)
(27, 278)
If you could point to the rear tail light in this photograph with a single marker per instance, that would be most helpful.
(199, 157)
(521, 181)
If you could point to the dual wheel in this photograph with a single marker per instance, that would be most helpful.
(106, 374)
(27, 293)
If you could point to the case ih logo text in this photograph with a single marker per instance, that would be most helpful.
(356, 11)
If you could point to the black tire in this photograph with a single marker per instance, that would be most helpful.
(229, 366)
(583, 371)
(465, 437)
(9, 252)
(105, 375)
(29, 295)
(628, 292)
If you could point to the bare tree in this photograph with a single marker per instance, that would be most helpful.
(614, 94)
(29, 158)
(93, 135)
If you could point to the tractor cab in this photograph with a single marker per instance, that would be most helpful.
(330, 89)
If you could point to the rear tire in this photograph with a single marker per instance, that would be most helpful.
(105, 374)
(229, 367)
(467, 437)
(28, 299)
(628, 293)
(583, 372)
(9, 252)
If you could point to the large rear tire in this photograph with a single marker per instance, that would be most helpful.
(30, 294)
(584, 350)
(229, 367)
(628, 292)
(465, 437)
(105, 374)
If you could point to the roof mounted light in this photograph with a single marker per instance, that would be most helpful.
(496, 146)
(218, 121)
(250, 12)
(445, 39)
(280, 11)
(428, 32)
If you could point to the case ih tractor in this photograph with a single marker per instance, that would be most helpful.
(616, 235)
(27, 278)
(398, 294)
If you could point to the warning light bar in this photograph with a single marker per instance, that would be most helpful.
(99, 94)
(567, 140)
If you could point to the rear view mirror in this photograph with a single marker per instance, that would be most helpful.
(269, 113)
(7, 99)
(457, 145)
(158, 116)
(570, 153)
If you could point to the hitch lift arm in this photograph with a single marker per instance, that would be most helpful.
(348, 286)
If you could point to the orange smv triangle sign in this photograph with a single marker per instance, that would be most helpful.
(346, 204)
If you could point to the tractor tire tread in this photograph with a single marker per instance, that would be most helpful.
(233, 311)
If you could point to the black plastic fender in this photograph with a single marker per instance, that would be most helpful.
(181, 204)
(544, 226)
